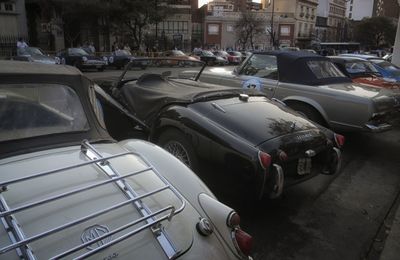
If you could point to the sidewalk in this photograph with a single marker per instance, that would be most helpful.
(391, 250)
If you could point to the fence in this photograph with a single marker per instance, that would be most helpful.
(8, 46)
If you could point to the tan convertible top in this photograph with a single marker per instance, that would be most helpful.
(22, 67)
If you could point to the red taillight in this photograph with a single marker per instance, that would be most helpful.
(265, 159)
(339, 139)
(244, 241)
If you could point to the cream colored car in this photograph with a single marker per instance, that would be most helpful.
(68, 190)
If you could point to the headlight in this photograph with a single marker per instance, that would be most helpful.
(84, 59)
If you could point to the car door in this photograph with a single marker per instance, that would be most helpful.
(259, 72)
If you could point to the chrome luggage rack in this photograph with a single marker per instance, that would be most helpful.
(152, 220)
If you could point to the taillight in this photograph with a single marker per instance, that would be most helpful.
(265, 159)
(242, 241)
(233, 220)
(339, 139)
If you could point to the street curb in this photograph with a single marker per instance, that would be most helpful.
(391, 250)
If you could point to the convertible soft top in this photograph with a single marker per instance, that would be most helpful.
(21, 67)
(151, 92)
(293, 68)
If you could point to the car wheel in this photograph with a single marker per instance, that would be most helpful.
(63, 61)
(178, 145)
(210, 63)
(308, 112)
(181, 64)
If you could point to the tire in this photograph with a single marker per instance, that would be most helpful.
(308, 112)
(177, 144)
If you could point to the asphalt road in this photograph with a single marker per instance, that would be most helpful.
(327, 217)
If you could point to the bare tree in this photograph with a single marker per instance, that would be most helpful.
(248, 27)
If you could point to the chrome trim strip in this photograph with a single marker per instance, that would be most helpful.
(378, 128)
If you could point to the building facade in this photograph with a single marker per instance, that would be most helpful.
(358, 9)
(331, 21)
(13, 24)
(387, 8)
(295, 20)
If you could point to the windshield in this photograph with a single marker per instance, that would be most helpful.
(360, 67)
(263, 66)
(122, 53)
(29, 110)
(324, 69)
(188, 68)
(77, 52)
(31, 51)
(208, 53)
(385, 64)
(178, 53)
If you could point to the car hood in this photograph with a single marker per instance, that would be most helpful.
(256, 120)
(51, 215)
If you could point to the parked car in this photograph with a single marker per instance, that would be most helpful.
(206, 56)
(362, 71)
(231, 59)
(120, 58)
(264, 145)
(314, 86)
(69, 190)
(388, 70)
(178, 57)
(237, 54)
(33, 54)
(81, 59)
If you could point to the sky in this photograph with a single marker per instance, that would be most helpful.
(202, 2)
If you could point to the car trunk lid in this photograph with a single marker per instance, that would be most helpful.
(61, 224)
(256, 119)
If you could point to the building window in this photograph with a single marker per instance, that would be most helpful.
(8, 7)
(350, 15)
(285, 30)
(213, 29)
(229, 28)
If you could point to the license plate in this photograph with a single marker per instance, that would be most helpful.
(304, 166)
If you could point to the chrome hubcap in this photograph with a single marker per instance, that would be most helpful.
(179, 151)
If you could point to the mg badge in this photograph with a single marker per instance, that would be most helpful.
(94, 232)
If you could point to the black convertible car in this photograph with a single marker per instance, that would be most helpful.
(264, 145)
(79, 58)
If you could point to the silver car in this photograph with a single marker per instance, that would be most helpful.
(68, 190)
(313, 86)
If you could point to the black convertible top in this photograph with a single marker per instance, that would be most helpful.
(22, 67)
(151, 92)
(293, 68)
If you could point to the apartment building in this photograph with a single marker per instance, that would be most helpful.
(358, 9)
(331, 21)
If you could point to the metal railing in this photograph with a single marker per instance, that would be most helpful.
(153, 220)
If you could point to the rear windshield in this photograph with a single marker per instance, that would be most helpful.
(29, 110)
(324, 69)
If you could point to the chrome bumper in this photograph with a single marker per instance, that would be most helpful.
(377, 128)
(279, 180)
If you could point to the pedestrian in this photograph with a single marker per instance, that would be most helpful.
(92, 48)
(127, 48)
(21, 45)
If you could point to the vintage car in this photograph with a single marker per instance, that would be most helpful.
(33, 54)
(70, 191)
(389, 71)
(229, 58)
(362, 71)
(206, 56)
(263, 145)
(315, 87)
(237, 54)
(178, 58)
(79, 58)
(119, 59)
